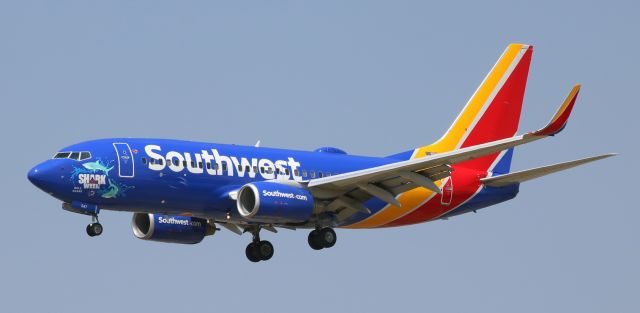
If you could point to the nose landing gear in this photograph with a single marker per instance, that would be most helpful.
(95, 228)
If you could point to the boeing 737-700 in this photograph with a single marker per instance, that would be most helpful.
(182, 191)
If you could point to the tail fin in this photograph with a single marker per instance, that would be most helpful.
(492, 112)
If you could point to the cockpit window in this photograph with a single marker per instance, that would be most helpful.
(78, 156)
(61, 155)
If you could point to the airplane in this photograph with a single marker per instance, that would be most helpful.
(182, 191)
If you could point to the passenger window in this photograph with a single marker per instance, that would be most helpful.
(319, 174)
(296, 172)
(74, 156)
(200, 164)
(269, 170)
(286, 171)
(161, 161)
(184, 163)
(224, 167)
(247, 168)
(328, 174)
(144, 160)
(255, 169)
(313, 174)
(208, 165)
(304, 173)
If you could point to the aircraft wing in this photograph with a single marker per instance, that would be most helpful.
(387, 181)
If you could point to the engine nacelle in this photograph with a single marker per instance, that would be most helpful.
(271, 202)
(170, 228)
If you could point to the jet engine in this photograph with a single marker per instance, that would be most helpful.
(170, 228)
(274, 202)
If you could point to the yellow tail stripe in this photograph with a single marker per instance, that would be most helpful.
(452, 138)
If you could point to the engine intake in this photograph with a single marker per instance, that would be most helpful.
(271, 201)
(170, 228)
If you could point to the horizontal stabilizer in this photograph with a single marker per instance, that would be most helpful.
(518, 177)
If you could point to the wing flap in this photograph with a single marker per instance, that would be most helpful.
(518, 177)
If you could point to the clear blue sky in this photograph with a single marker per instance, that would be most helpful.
(371, 77)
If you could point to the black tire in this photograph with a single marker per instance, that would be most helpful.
(252, 252)
(96, 229)
(327, 237)
(90, 231)
(265, 250)
(314, 240)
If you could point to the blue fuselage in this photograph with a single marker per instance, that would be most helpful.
(170, 176)
(184, 177)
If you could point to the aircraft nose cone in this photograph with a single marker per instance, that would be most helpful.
(35, 176)
(42, 175)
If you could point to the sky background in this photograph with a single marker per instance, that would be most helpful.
(370, 77)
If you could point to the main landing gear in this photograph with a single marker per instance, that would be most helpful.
(322, 238)
(258, 250)
(95, 228)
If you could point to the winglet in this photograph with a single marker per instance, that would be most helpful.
(559, 120)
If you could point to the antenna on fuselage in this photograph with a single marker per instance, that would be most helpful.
(257, 144)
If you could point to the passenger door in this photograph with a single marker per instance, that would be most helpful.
(125, 160)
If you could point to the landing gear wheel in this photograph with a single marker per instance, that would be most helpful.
(314, 240)
(89, 231)
(327, 237)
(94, 229)
(252, 252)
(322, 238)
(259, 251)
(265, 250)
